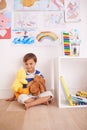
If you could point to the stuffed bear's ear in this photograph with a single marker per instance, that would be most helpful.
(42, 87)
(42, 80)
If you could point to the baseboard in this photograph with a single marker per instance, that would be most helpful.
(5, 93)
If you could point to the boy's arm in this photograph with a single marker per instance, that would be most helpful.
(11, 99)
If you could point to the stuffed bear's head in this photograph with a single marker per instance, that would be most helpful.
(39, 79)
(37, 86)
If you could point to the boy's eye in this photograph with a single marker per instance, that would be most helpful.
(26, 64)
(29, 64)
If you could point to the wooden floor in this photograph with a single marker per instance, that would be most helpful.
(14, 117)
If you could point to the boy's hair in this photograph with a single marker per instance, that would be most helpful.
(29, 56)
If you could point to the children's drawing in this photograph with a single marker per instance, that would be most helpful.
(25, 20)
(5, 25)
(71, 42)
(72, 10)
(75, 49)
(66, 43)
(58, 3)
(27, 3)
(46, 35)
(75, 42)
(47, 38)
(3, 4)
(23, 37)
(38, 4)
(52, 19)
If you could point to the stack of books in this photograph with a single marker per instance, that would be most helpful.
(77, 100)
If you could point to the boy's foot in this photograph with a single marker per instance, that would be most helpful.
(26, 106)
(46, 103)
(10, 99)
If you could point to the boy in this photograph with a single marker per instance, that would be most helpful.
(30, 61)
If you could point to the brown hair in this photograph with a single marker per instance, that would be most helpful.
(29, 56)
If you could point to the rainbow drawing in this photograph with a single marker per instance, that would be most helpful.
(46, 35)
(66, 43)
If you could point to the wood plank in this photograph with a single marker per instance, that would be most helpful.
(37, 118)
(42, 117)
(15, 106)
(11, 120)
(67, 118)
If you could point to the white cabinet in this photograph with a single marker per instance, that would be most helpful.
(74, 72)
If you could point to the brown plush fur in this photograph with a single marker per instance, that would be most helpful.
(37, 86)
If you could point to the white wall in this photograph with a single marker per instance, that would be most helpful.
(11, 55)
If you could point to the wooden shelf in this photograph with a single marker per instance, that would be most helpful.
(74, 72)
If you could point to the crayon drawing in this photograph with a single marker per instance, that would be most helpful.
(23, 37)
(5, 4)
(5, 25)
(47, 38)
(72, 10)
(25, 20)
(38, 5)
(53, 19)
(71, 43)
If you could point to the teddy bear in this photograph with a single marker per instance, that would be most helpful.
(37, 85)
(17, 86)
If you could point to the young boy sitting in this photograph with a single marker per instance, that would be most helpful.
(29, 100)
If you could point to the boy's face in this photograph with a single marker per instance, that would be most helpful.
(30, 65)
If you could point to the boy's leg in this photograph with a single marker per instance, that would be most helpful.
(24, 98)
(37, 101)
(29, 100)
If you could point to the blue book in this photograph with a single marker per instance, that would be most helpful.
(79, 99)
